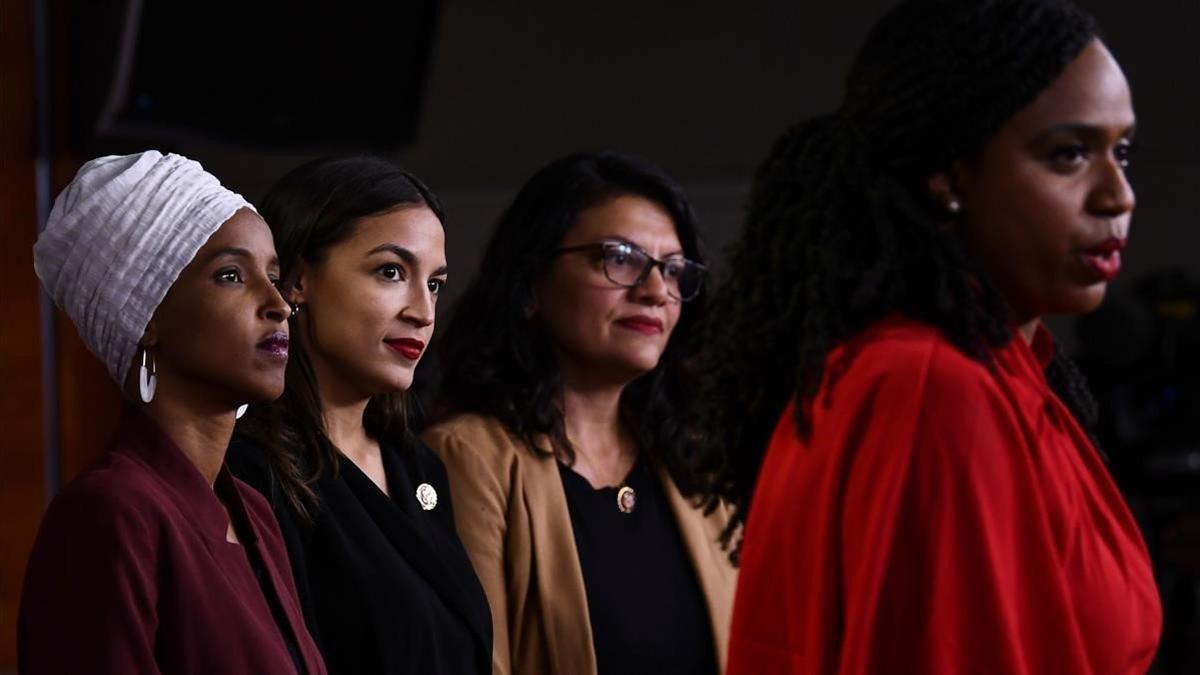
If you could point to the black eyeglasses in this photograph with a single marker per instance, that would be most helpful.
(628, 265)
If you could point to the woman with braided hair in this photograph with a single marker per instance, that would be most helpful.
(928, 500)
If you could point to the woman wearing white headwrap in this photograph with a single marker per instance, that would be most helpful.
(157, 559)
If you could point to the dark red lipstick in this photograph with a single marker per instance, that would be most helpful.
(407, 347)
(646, 325)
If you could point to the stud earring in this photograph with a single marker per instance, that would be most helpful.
(241, 410)
(295, 309)
(953, 206)
(147, 377)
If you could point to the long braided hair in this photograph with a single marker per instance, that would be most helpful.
(841, 230)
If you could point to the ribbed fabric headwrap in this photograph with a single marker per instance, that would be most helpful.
(117, 238)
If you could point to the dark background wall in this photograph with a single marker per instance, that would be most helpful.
(701, 88)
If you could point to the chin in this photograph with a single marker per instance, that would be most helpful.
(262, 392)
(276, 389)
(637, 364)
(1083, 301)
(393, 382)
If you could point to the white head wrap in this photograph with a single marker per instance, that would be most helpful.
(118, 237)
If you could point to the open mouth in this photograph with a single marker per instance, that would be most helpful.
(275, 346)
(1104, 259)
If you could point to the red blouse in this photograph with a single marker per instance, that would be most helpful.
(942, 518)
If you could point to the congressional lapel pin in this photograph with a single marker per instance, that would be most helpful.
(626, 499)
(426, 496)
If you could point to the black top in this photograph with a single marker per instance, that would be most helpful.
(385, 585)
(647, 611)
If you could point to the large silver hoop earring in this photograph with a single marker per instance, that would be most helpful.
(147, 377)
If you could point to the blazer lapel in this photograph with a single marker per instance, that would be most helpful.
(412, 541)
(559, 574)
(713, 569)
(423, 466)
(286, 601)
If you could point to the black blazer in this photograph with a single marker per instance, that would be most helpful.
(386, 586)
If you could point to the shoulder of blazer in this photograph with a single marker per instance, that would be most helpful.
(484, 437)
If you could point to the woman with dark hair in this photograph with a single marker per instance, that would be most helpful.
(364, 506)
(929, 500)
(157, 560)
(570, 448)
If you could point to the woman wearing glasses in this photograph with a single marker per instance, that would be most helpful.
(572, 461)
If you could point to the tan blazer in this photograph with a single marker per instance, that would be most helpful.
(512, 516)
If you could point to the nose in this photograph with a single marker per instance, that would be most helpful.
(1113, 195)
(273, 306)
(654, 289)
(421, 308)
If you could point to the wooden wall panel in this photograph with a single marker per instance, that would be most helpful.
(22, 480)
(89, 403)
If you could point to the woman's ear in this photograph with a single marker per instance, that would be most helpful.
(939, 186)
(945, 189)
(296, 294)
(150, 335)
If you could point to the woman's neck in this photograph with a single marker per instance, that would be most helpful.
(344, 427)
(342, 408)
(592, 421)
(1027, 329)
(201, 432)
(343, 404)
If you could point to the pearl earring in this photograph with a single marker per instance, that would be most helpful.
(953, 206)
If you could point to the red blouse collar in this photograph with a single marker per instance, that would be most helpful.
(1028, 360)
(1042, 345)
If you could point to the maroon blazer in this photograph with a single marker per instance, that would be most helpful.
(131, 572)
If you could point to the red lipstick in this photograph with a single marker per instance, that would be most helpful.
(407, 347)
(1104, 259)
(275, 345)
(646, 325)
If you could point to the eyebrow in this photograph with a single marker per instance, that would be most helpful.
(1089, 131)
(230, 250)
(403, 254)
(238, 252)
